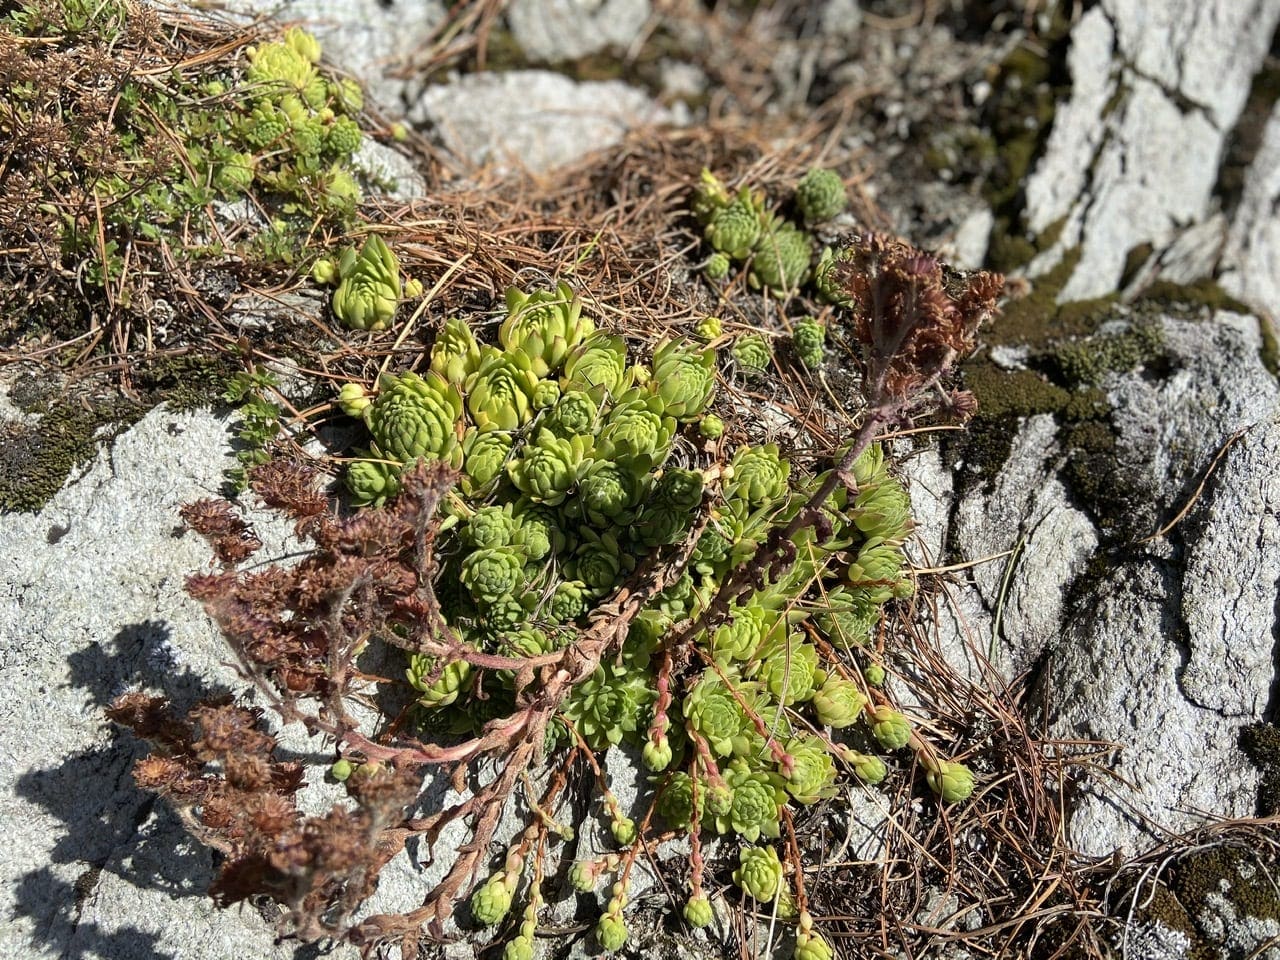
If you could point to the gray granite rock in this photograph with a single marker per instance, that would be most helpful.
(1165, 649)
(1134, 154)
(1251, 261)
(531, 119)
(554, 31)
(92, 605)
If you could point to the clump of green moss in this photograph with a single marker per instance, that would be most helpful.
(1229, 872)
(1088, 361)
(1261, 744)
(36, 458)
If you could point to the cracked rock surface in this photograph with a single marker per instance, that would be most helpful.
(1134, 155)
(1165, 648)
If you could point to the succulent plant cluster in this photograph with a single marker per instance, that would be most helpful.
(745, 228)
(155, 137)
(566, 445)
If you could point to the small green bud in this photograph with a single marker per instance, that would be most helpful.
(889, 727)
(611, 932)
(492, 902)
(623, 830)
(698, 912)
(717, 266)
(711, 426)
(874, 674)
(657, 757)
(341, 769)
(708, 328)
(353, 399)
(951, 781)
(583, 875)
(324, 271)
(412, 288)
(399, 132)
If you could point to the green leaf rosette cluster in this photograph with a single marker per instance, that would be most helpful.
(744, 228)
(566, 444)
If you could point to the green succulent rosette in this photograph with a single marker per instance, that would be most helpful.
(608, 705)
(813, 770)
(759, 873)
(576, 414)
(545, 394)
(890, 728)
(493, 573)
(820, 195)
(876, 569)
(550, 467)
(500, 392)
(456, 354)
(597, 365)
(827, 281)
(636, 433)
(415, 417)
(669, 513)
(709, 196)
(752, 352)
(684, 378)
(710, 426)
(717, 266)
(811, 946)
(484, 459)
(808, 340)
(492, 526)
(951, 781)
(372, 482)
(445, 688)
(544, 326)
(697, 912)
(738, 638)
(599, 561)
(735, 228)
(838, 703)
(869, 469)
(758, 475)
(569, 600)
(611, 932)
(281, 65)
(492, 902)
(869, 768)
(755, 803)
(539, 533)
(676, 801)
(708, 329)
(781, 261)
(712, 712)
(849, 616)
(883, 511)
(369, 291)
(610, 492)
(787, 669)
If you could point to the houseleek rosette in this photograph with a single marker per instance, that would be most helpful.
(544, 326)
(597, 365)
(500, 391)
(484, 455)
(575, 414)
(492, 574)
(550, 467)
(781, 260)
(684, 378)
(756, 798)
(456, 354)
(734, 228)
(609, 493)
(752, 352)
(758, 475)
(759, 873)
(838, 703)
(820, 195)
(712, 712)
(636, 432)
(813, 770)
(369, 292)
(416, 417)
(808, 339)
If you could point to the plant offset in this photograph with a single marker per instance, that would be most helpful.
(566, 554)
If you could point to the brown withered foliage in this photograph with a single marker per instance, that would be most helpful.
(296, 631)
(914, 316)
(232, 539)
